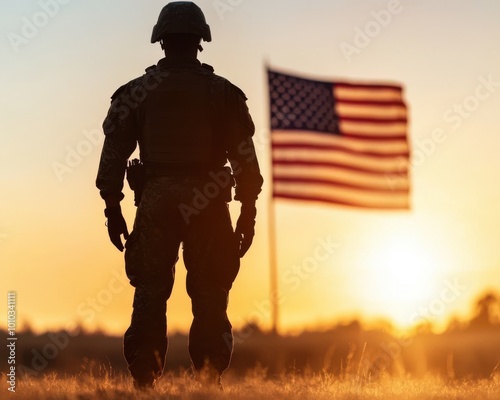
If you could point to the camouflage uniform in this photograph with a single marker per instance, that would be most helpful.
(188, 123)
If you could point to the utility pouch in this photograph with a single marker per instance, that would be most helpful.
(227, 194)
(136, 177)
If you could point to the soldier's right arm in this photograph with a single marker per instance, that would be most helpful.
(121, 131)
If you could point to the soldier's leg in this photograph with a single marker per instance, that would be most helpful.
(150, 257)
(211, 258)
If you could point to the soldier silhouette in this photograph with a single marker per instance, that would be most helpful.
(188, 123)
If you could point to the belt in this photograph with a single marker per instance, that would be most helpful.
(178, 169)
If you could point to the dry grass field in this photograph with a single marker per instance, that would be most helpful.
(253, 387)
(346, 362)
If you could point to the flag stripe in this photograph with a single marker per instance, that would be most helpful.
(387, 147)
(380, 103)
(383, 95)
(360, 198)
(331, 165)
(369, 86)
(312, 146)
(338, 184)
(373, 130)
(362, 136)
(391, 112)
(330, 200)
(397, 181)
(335, 157)
(379, 121)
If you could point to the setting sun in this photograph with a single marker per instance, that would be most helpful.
(404, 274)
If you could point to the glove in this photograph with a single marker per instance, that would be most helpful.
(116, 226)
(245, 227)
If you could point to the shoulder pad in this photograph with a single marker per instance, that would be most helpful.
(151, 68)
(118, 91)
(208, 67)
(239, 91)
(125, 87)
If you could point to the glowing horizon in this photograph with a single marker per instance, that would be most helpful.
(54, 248)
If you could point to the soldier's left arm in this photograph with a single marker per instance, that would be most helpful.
(120, 130)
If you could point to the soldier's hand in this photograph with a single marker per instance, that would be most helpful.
(116, 226)
(245, 227)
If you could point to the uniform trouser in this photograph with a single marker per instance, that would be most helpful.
(168, 216)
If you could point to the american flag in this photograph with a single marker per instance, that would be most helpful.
(339, 142)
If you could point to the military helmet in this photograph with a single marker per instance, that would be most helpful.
(181, 17)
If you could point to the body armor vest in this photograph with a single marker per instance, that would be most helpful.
(179, 122)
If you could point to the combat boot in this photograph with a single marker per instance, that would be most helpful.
(209, 377)
(144, 384)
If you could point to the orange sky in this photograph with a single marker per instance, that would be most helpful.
(430, 262)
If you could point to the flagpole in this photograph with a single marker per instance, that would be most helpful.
(273, 267)
(273, 263)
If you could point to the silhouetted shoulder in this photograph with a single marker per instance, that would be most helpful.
(230, 90)
(148, 81)
(127, 88)
(208, 68)
(238, 91)
(235, 106)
